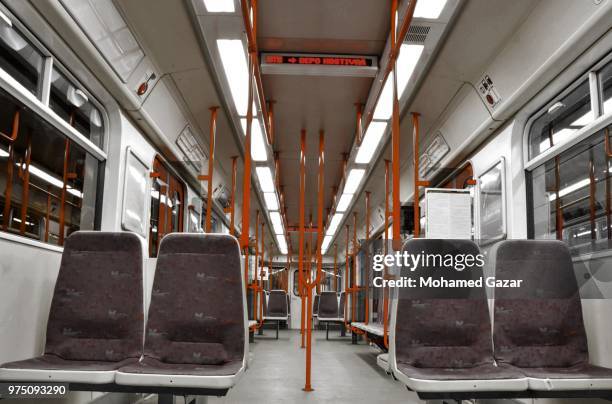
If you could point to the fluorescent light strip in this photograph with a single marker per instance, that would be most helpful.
(569, 189)
(326, 241)
(258, 146)
(384, 105)
(271, 201)
(277, 223)
(353, 180)
(370, 141)
(264, 175)
(234, 60)
(282, 243)
(219, 6)
(429, 9)
(3, 154)
(345, 201)
(406, 63)
(333, 224)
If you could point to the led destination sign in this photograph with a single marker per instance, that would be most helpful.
(305, 64)
(278, 59)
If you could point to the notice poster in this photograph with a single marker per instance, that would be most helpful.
(448, 213)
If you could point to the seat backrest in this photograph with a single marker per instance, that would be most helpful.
(328, 305)
(97, 311)
(438, 327)
(539, 324)
(197, 305)
(341, 304)
(277, 303)
(315, 305)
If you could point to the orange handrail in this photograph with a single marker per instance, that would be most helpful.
(385, 251)
(211, 167)
(311, 284)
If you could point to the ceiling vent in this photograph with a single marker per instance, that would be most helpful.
(417, 34)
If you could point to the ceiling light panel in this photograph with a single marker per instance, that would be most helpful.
(370, 141)
(353, 180)
(258, 145)
(345, 201)
(271, 200)
(406, 63)
(384, 105)
(277, 223)
(234, 60)
(264, 175)
(429, 8)
(333, 224)
(219, 6)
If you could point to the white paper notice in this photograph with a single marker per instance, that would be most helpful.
(448, 213)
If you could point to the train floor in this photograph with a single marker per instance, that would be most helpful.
(341, 373)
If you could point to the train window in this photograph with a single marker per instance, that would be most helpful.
(561, 120)
(48, 183)
(167, 205)
(570, 199)
(74, 106)
(492, 209)
(605, 82)
(19, 58)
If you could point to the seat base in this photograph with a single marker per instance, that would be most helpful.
(51, 368)
(372, 328)
(475, 379)
(382, 361)
(151, 372)
(578, 377)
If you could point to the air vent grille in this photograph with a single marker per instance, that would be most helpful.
(417, 33)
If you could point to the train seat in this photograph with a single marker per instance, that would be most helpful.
(328, 309)
(315, 305)
(376, 329)
(193, 341)
(539, 328)
(277, 306)
(96, 318)
(442, 336)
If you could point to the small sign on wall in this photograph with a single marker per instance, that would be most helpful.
(448, 213)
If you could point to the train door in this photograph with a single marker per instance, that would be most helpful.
(296, 300)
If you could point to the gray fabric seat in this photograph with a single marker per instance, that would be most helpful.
(277, 305)
(328, 307)
(441, 340)
(315, 306)
(96, 318)
(197, 326)
(538, 328)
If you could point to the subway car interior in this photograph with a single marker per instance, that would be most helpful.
(269, 201)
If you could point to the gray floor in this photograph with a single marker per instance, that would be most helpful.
(341, 373)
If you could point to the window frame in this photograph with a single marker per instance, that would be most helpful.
(599, 124)
(39, 104)
(504, 210)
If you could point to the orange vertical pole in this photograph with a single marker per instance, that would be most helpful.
(211, 167)
(62, 215)
(346, 274)
(301, 227)
(261, 280)
(367, 257)
(359, 125)
(25, 195)
(233, 198)
(336, 267)
(395, 134)
(253, 285)
(386, 250)
(319, 259)
(354, 288)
